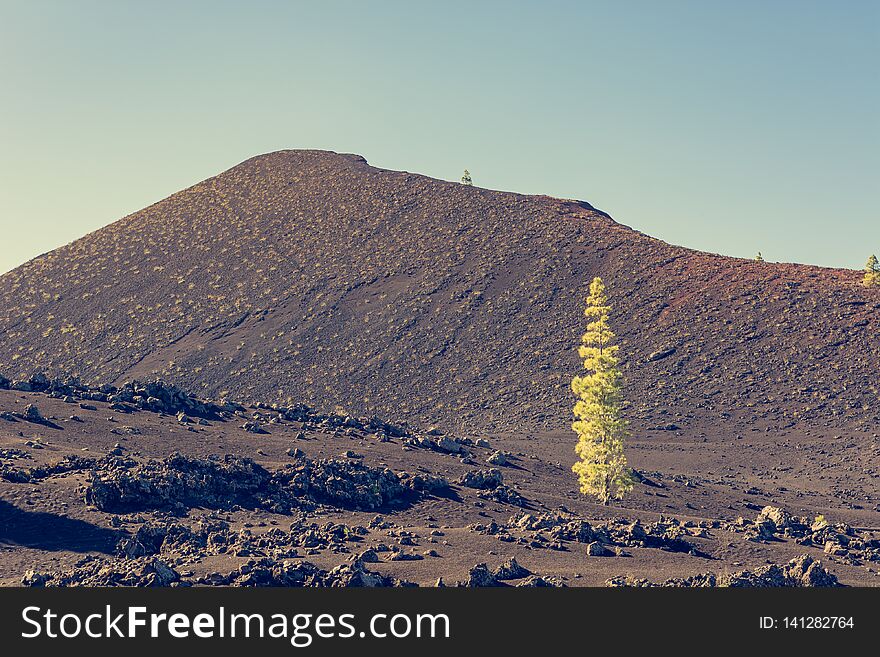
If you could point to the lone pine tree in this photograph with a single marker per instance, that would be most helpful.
(466, 178)
(872, 272)
(602, 469)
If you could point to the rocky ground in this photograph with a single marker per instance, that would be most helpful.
(145, 485)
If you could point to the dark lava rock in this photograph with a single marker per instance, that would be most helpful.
(70, 463)
(32, 414)
(661, 354)
(425, 483)
(511, 569)
(505, 495)
(801, 571)
(536, 581)
(481, 576)
(482, 479)
(94, 572)
(269, 572)
(343, 483)
(180, 482)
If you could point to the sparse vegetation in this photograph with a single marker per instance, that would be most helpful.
(399, 326)
(466, 178)
(872, 272)
(602, 469)
(759, 257)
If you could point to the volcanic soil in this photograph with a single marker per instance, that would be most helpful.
(695, 487)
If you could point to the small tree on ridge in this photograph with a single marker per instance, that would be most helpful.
(872, 272)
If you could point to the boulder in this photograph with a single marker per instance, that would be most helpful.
(32, 414)
(780, 518)
(448, 445)
(511, 569)
(482, 479)
(480, 576)
(596, 549)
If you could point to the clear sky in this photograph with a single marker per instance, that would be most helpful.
(730, 126)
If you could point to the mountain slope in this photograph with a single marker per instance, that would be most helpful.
(311, 276)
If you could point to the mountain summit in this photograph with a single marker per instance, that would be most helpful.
(310, 276)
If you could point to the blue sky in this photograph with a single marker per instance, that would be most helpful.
(731, 127)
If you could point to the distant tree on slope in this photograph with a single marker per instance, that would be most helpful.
(466, 178)
(759, 257)
(872, 272)
(602, 469)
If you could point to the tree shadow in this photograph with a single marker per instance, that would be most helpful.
(48, 531)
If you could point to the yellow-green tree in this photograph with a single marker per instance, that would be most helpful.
(466, 178)
(872, 272)
(602, 469)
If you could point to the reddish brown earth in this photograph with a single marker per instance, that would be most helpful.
(305, 276)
